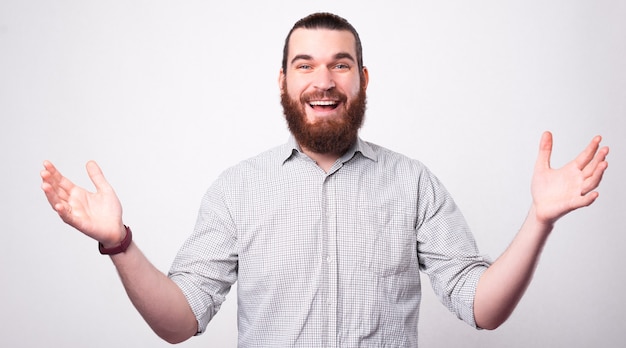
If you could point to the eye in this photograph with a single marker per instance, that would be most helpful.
(342, 66)
(303, 67)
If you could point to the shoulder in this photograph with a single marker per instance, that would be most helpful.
(392, 160)
(263, 165)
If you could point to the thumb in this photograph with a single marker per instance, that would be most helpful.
(545, 151)
(96, 176)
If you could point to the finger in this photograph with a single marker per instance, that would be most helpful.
(594, 180)
(54, 177)
(58, 202)
(598, 159)
(545, 151)
(57, 189)
(96, 176)
(50, 173)
(587, 155)
(48, 165)
(55, 185)
(50, 185)
(51, 195)
(587, 199)
(64, 209)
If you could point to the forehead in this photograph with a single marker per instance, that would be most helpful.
(321, 42)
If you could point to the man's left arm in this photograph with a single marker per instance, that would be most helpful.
(555, 193)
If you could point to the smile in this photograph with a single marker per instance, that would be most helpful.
(324, 104)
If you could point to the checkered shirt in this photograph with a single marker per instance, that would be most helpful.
(328, 259)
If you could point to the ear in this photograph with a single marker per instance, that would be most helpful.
(366, 77)
(281, 80)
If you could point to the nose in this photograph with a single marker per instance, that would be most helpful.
(324, 79)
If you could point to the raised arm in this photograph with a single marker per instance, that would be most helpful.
(555, 192)
(99, 215)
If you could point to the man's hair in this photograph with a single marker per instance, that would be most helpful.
(324, 20)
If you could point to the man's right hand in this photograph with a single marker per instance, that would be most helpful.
(96, 214)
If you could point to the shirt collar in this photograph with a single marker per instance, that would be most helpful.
(362, 147)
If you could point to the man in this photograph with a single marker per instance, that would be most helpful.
(326, 234)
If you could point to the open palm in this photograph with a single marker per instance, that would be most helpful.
(96, 214)
(556, 192)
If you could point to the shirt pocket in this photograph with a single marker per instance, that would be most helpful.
(391, 241)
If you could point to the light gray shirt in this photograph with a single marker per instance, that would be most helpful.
(328, 259)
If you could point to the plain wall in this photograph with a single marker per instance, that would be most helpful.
(167, 94)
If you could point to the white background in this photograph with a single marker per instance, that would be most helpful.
(167, 94)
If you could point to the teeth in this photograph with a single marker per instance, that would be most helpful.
(323, 102)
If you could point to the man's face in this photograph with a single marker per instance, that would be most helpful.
(323, 90)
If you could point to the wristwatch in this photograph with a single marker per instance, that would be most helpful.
(120, 248)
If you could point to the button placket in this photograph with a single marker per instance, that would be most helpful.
(330, 225)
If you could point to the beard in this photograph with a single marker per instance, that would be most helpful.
(326, 136)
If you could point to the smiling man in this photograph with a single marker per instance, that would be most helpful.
(323, 84)
(326, 234)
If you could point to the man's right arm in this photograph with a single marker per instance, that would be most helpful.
(99, 215)
(157, 298)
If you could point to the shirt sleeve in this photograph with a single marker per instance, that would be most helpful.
(206, 265)
(447, 250)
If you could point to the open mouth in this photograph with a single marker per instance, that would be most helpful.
(323, 105)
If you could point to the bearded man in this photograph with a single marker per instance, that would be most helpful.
(326, 234)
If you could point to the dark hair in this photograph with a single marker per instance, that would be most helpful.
(324, 20)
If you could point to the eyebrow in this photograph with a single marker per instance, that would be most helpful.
(340, 55)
